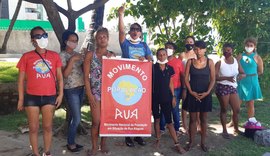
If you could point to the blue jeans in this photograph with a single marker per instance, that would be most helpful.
(74, 98)
(175, 112)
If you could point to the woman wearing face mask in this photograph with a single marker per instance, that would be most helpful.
(249, 87)
(73, 85)
(227, 70)
(199, 79)
(132, 48)
(178, 80)
(41, 69)
(164, 99)
(185, 56)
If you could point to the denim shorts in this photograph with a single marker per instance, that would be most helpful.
(39, 101)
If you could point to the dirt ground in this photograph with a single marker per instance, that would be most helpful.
(17, 144)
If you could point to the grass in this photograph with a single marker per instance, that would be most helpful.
(8, 72)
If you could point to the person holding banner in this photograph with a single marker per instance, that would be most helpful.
(92, 79)
(164, 98)
(132, 48)
(199, 79)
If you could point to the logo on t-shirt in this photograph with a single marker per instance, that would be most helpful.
(136, 52)
(41, 68)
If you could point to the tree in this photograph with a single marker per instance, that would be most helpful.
(13, 20)
(52, 7)
(96, 22)
(234, 20)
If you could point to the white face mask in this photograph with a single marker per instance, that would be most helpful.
(42, 43)
(169, 52)
(135, 41)
(249, 49)
(164, 62)
(72, 45)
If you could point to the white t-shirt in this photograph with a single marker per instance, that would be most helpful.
(228, 70)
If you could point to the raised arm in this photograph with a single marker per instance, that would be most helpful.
(121, 26)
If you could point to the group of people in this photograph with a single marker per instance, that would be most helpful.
(50, 76)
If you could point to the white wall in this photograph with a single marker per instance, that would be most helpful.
(19, 42)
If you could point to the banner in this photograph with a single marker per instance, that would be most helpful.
(126, 98)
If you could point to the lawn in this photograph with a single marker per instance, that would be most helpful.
(8, 72)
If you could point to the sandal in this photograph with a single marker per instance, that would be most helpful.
(204, 148)
(179, 149)
(225, 135)
(91, 153)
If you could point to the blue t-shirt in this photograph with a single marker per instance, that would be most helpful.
(134, 51)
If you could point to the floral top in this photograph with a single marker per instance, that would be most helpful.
(95, 76)
(75, 78)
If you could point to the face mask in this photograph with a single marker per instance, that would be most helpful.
(249, 49)
(164, 62)
(189, 46)
(227, 55)
(72, 45)
(135, 41)
(42, 43)
(169, 52)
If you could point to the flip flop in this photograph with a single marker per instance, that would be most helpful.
(204, 148)
(225, 135)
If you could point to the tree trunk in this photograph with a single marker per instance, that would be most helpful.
(96, 22)
(0, 8)
(12, 22)
(54, 18)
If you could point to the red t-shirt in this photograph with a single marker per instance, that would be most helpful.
(178, 68)
(39, 79)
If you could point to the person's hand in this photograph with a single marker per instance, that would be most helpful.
(92, 102)
(231, 79)
(110, 54)
(20, 105)
(76, 57)
(173, 102)
(241, 76)
(202, 95)
(58, 100)
(141, 58)
(196, 95)
(121, 10)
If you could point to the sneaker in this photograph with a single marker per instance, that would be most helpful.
(129, 142)
(140, 141)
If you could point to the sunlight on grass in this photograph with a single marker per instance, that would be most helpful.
(8, 72)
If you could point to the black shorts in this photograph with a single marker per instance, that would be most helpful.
(39, 101)
(165, 108)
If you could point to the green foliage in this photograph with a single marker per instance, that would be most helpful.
(234, 20)
(8, 72)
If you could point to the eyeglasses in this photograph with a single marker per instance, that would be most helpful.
(135, 29)
(39, 36)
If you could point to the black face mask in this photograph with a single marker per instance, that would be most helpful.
(189, 46)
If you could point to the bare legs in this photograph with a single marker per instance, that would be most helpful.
(33, 120)
(95, 112)
(184, 120)
(172, 133)
(193, 129)
(250, 108)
